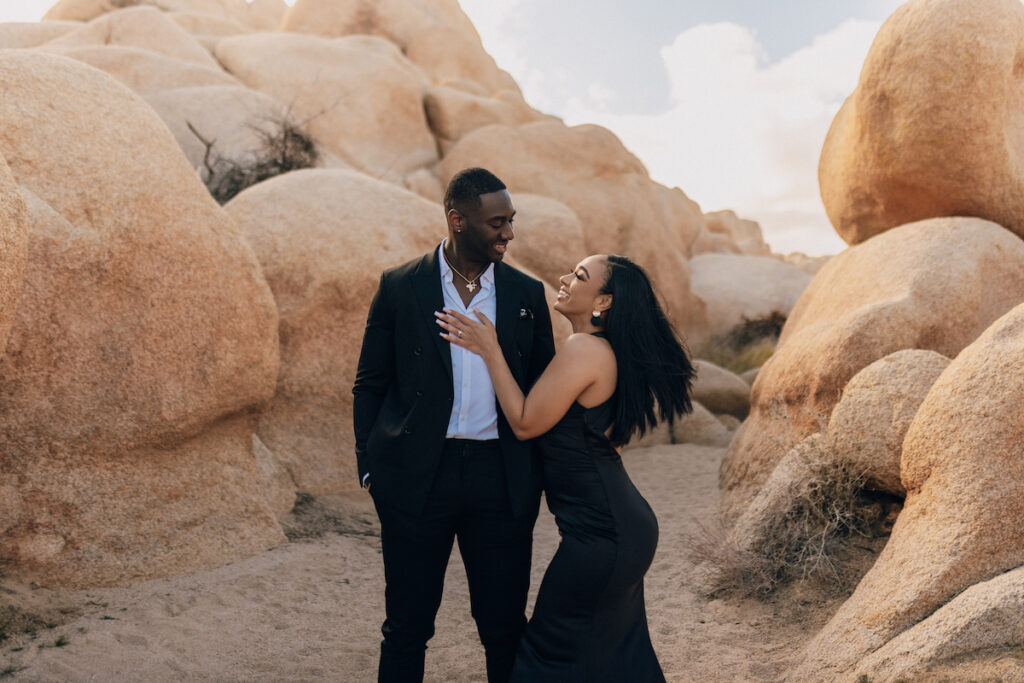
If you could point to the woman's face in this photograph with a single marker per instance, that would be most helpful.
(581, 288)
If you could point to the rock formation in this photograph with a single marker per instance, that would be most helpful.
(701, 427)
(720, 391)
(933, 128)
(235, 119)
(962, 520)
(984, 618)
(144, 28)
(360, 98)
(738, 286)
(868, 424)
(144, 71)
(144, 337)
(741, 235)
(892, 292)
(157, 410)
(434, 34)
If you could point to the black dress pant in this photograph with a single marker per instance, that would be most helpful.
(469, 502)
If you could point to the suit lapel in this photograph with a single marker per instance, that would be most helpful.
(427, 285)
(507, 310)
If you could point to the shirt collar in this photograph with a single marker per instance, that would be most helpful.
(486, 278)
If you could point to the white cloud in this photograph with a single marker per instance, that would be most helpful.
(743, 134)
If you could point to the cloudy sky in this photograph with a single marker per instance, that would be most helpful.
(728, 99)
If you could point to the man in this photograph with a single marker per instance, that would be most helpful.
(433, 448)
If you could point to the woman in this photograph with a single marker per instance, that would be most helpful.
(621, 369)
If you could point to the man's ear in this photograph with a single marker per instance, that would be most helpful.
(456, 221)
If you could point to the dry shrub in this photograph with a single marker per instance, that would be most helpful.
(728, 567)
(747, 345)
(285, 146)
(807, 539)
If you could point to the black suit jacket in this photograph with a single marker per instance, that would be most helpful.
(403, 389)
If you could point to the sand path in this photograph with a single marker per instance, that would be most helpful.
(310, 610)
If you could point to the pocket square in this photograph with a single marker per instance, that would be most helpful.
(526, 313)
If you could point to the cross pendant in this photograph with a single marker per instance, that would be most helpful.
(471, 286)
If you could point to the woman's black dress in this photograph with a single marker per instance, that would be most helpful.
(589, 622)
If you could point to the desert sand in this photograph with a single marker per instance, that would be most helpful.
(310, 609)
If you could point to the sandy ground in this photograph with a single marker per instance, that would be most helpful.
(310, 610)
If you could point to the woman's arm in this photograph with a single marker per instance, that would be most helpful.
(576, 366)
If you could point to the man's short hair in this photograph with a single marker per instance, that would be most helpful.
(468, 185)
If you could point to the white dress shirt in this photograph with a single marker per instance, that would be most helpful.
(474, 412)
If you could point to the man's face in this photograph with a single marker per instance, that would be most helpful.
(487, 229)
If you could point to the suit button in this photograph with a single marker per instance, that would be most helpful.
(520, 353)
(417, 351)
(418, 393)
(407, 430)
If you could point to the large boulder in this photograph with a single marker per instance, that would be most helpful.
(144, 71)
(934, 285)
(367, 103)
(549, 237)
(397, 20)
(963, 518)
(743, 233)
(701, 427)
(436, 35)
(984, 618)
(145, 336)
(933, 128)
(145, 28)
(323, 238)
(13, 249)
(87, 10)
(619, 207)
(452, 113)
(737, 286)
(721, 391)
(868, 424)
(16, 35)
(455, 56)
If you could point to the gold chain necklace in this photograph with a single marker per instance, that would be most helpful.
(470, 284)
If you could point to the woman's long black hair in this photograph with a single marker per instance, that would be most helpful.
(654, 373)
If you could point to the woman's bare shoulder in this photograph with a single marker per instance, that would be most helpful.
(581, 344)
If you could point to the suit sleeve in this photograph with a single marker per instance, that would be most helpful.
(374, 373)
(543, 340)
